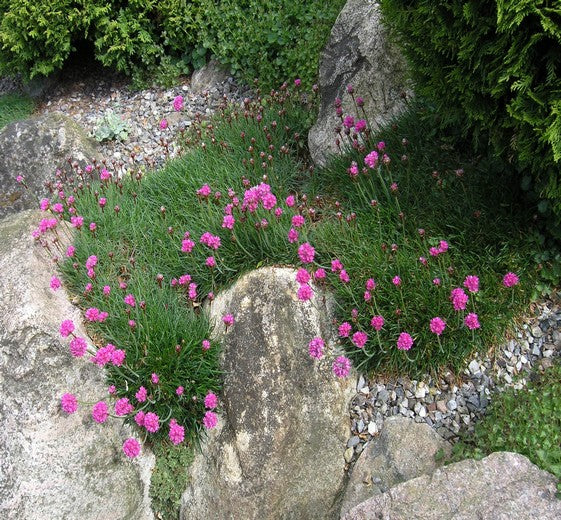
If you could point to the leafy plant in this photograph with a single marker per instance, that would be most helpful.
(112, 126)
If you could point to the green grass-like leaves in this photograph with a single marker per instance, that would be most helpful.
(14, 107)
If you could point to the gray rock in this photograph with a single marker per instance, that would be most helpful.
(35, 148)
(404, 450)
(502, 486)
(359, 53)
(278, 452)
(54, 465)
(211, 75)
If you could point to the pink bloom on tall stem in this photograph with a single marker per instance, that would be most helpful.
(131, 448)
(360, 338)
(228, 222)
(341, 366)
(306, 253)
(471, 283)
(371, 160)
(204, 191)
(151, 422)
(100, 412)
(176, 432)
(178, 103)
(139, 418)
(210, 262)
(292, 236)
(377, 322)
(228, 320)
(343, 276)
(155, 378)
(123, 406)
(290, 201)
(69, 403)
(443, 246)
(70, 250)
(44, 204)
(510, 280)
(106, 290)
(437, 326)
(396, 281)
(130, 300)
(206, 344)
(179, 391)
(141, 395)
(302, 276)
(336, 265)
(436, 281)
(471, 321)
(163, 124)
(118, 357)
(459, 299)
(187, 245)
(78, 347)
(305, 293)
(298, 221)
(315, 347)
(66, 328)
(370, 284)
(360, 126)
(211, 401)
(210, 420)
(405, 341)
(320, 274)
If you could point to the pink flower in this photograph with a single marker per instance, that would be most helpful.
(55, 283)
(141, 395)
(341, 366)
(123, 407)
(78, 347)
(405, 341)
(70, 250)
(104, 175)
(106, 290)
(179, 390)
(396, 281)
(210, 420)
(345, 329)
(139, 418)
(118, 357)
(278, 212)
(210, 240)
(510, 280)
(151, 422)
(423, 260)
(371, 159)
(377, 322)
(290, 201)
(44, 204)
(298, 221)
(102, 202)
(184, 279)
(92, 314)
(100, 412)
(305, 293)
(393, 187)
(360, 338)
(210, 262)
(459, 299)
(349, 122)
(206, 344)
(176, 432)
(192, 291)
(302, 276)
(228, 320)
(187, 245)
(69, 403)
(353, 169)
(132, 324)
(436, 281)
(122, 285)
(292, 236)
(471, 283)
(306, 253)
(269, 201)
(204, 191)
(471, 321)
(228, 222)
(58, 208)
(434, 251)
(112, 389)
(130, 300)
(315, 347)
(163, 124)
(93, 226)
(211, 401)
(437, 326)
(178, 103)
(66, 328)
(297, 82)
(443, 246)
(155, 378)
(336, 265)
(131, 448)
(320, 274)
(367, 296)
(370, 284)
(360, 126)
(344, 277)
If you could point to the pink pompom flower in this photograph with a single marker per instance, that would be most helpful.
(211, 401)
(123, 407)
(471, 283)
(78, 346)
(405, 341)
(206, 344)
(210, 420)
(315, 347)
(66, 328)
(69, 403)
(178, 103)
(360, 338)
(151, 422)
(292, 235)
(377, 322)
(302, 276)
(100, 412)
(305, 293)
(176, 432)
(228, 320)
(437, 326)
(345, 329)
(341, 366)
(55, 283)
(471, 321)
(141, 395)
(510, 279)
(131, 448)
(306, 253)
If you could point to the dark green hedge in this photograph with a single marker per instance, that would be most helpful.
(492, 67)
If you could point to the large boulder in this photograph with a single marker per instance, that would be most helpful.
(358, 53)
(278, 452)
(209, 76)
(54, 465)
(35, 148)
(502, 486)
(403, 451)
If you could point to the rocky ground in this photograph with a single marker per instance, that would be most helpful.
(450, 404)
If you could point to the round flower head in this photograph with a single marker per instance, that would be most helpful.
(341, 366)
(471, 321)
(459, 299)
(179, 390)
(151, 422)
(163, 124)
(211, 401)
(396, 281)
(100, 412)
(131, 448)
(320, 274)
(141, 395)
(405, 341)
(377, 322)
(178, 103)
(69, 403)
(510, 280)
(371, 159)
(437, 326)
(305, 293)
(78, 346)
(176, 432)
(123, 407)
(315, 347)
(55, 283)
(139, 418)
(360, 338)
(210, 420)
(302, 276)
(155, 378)
(66, 328)
(298, 221)
(471, 283)
(228, 320)
(292, 235)
(206, 344)
(345, 329)
(306, 253)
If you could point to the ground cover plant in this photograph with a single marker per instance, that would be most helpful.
(14, 107)
(525, 421)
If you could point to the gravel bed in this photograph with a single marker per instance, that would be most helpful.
(453, 403)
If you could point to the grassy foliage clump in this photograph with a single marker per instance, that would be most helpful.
(526, 421)
(14, 107)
